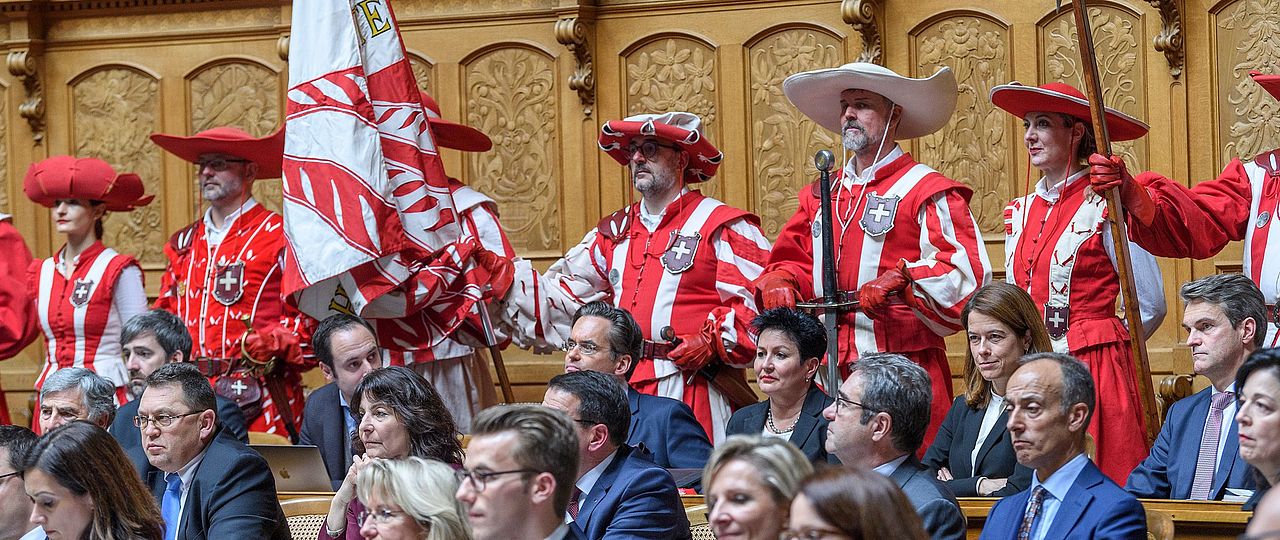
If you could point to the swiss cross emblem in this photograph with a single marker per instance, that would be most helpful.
(877, 217)
(679, 255)
(228, 283)
(80, 292)
(1055, 320)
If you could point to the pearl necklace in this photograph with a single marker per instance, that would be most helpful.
(768, 420)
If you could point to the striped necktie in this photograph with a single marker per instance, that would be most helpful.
(1207, 462)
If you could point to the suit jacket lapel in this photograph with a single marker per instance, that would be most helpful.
(1078, 498)
(810, 411)
(1189, 447)
(588, 501)
(997, 434)
(633, 398)
(971, 425)
(1227, 460)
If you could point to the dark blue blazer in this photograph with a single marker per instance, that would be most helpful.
(953, 446)
(1170, 468)
(130, 437)
(633, 498)
(933, 502)
(232, 495)
(668, 430)
(324, 427)
(1094, 508)
(810, 433)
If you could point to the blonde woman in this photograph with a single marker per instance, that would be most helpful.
(749, 483)
(410, 498)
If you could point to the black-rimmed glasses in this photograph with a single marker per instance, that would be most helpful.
(480, 478)
(648, 149)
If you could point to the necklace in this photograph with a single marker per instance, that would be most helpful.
(768, 420)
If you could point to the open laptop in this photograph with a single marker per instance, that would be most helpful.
(296, 468)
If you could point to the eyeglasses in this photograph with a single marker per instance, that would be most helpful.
(648, 149)
(164, 420)
(6, 476)
(479, 478)
(808, 534)
(380, 516)
(589, 349)
(851, 403)
(218, 164)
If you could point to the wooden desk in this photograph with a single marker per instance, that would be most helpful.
(1191, 519)
(287, 495)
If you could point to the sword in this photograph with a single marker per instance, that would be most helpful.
(830, 291)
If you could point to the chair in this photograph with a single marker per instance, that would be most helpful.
(702, 532)
(306, 516)
(1159, 525)
(256, 437)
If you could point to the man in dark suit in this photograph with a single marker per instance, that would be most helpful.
(1051, 399)
(606, 339)
(209, 484)
(618, 493)
(151, 340)
(1226, 320)
(347, 351)
(878, 422)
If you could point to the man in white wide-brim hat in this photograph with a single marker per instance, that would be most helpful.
(682, 263)
(904, 238)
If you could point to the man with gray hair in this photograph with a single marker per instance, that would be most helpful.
(1196, 455)
(878, 421)
(76, 393)
(1051, 399)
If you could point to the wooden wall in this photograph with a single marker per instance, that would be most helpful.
(95, 77)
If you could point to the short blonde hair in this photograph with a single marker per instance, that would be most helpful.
(780, 465)
(424, 488)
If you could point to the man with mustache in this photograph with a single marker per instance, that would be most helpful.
(679, 261)
(907, 247)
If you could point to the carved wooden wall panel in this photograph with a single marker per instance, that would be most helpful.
(114, 110)
(784, 139)
(423, 71)
(977, 146)
(1247, 36)
(239, 93)
(511, 96)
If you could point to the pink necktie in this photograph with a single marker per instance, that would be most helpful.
(573, 503)
(1207, 462)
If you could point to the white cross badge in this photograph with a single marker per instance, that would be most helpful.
(228, 283)
(1055, 320)
(680, 252)
(80, 292)
(877, 217)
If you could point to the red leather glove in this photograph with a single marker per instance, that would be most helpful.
(776, 289)
(276, 342)
(874, 294)
(500, 269)
(695, 351)
(1109, 172)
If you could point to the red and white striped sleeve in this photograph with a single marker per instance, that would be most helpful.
(742, 251)
(538, 311)
(953, 263)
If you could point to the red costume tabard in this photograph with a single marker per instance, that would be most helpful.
(17, 313)
(214, 288)
(695, 266)
(1057, 248)
(908, 213)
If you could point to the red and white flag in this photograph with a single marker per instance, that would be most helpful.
(369, 219)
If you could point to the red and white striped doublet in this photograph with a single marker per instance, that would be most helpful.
(695, 266)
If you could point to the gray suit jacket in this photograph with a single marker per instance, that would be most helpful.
(935, 504)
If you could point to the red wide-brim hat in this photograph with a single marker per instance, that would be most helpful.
(1270, 83)
(267, 152)
(67, 177)
(1019, 100)
(452, 134)
(681, 128)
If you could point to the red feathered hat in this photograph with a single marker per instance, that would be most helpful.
(267, 152)
(1063, 98)
(682, 128)
(451, 134)
(66, 177)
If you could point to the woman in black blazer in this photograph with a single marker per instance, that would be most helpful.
(788, 348)
(1002, 324)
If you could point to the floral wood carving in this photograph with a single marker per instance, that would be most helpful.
(1248, 39)
(423, 72)
(976, 146)
(572, 33)
(675, 74)
(861, 14)
(511, 96)
(114, 110)
(784, 138)
(1169, 41)
(22, 64)
(1115, 38)
(241, 94)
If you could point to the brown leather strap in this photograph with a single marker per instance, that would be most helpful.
(214, 367)
(656, 350)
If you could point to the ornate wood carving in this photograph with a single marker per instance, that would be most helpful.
(150, 21)
(675, 74)
(976, 146)
(784, 138)
(1169, 41)
(423, 72)
(282, 47)
(511, 96)
(114, 110)
(1248, 36)
(861, 14)
(572, 33)
(22, 64)
(241, 94)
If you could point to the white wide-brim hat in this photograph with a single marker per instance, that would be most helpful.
(927, 104)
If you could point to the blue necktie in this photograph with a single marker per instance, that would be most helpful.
(171, 505)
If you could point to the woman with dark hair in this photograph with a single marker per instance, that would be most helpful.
(400, 415)
(839, 502)
(1258, 419)
(84, 487)
(789, 347)
(1059, 249)
(973, 453)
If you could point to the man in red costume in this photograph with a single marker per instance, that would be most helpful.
(223, 279)
(904, 238)
(681, 262)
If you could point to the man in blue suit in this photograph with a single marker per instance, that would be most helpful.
(618, 494)
(1226, 320)
(347, 351)
(607, 339)
(1051, 399)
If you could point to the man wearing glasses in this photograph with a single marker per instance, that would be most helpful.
(878, 422)
(209, 484)
(679, 261)
(15, 513)
(518, 474)
(223, 279)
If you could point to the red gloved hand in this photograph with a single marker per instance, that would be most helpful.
(500, 269)
(276, 342)
(695, 351)
(1109, 172)
(874, 294)
(776, 289)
